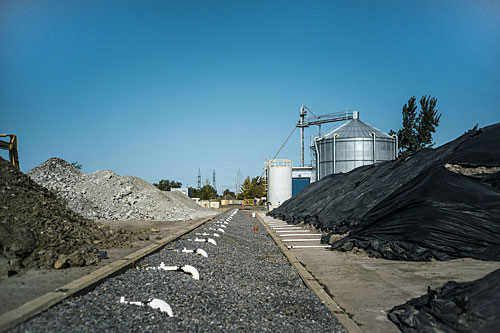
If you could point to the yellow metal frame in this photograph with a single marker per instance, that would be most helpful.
(279, 163)
(12, 147)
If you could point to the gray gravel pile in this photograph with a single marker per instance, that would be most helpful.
(246, 284)
(104, 195)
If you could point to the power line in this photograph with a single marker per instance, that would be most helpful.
(289, 135)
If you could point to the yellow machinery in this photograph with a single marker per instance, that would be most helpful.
(248, 202)
(11, 146)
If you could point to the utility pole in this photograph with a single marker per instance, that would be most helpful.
(199, 179)
(238, 180)
(213, 182)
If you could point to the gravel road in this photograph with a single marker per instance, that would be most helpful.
(246, 284)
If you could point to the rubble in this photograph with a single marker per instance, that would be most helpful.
(38, 231)
(104, 195)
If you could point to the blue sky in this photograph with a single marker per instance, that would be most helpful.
(158, 89)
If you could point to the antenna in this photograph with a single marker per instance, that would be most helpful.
(199, 179)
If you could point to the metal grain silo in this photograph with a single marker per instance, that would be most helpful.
(352, 145)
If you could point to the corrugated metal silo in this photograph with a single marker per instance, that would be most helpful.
(352, 145)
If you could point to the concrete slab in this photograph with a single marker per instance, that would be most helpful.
(366, 288)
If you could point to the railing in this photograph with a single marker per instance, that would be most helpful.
(279, 163)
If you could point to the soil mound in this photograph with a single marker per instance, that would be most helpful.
(104, 195)
(440, 203)
(38, 231)
(455, 307)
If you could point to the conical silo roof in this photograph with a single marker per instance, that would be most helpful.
(356, 129)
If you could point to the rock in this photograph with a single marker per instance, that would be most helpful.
(143, 236)
(76, 259)
(62, 262)
(347, 246)
(4, 266)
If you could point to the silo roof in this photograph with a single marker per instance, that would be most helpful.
(356, 129)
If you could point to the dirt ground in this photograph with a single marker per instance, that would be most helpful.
(30, 284)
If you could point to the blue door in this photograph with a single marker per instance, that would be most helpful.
(298, 184)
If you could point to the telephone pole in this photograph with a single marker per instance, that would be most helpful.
(199, 179)
(213, 182)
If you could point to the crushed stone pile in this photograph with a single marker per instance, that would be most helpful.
(104, 195)
(39, 231)
(441, 203)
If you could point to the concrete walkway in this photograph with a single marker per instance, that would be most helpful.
(366, 288)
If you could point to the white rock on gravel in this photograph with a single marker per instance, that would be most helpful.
(104, 195)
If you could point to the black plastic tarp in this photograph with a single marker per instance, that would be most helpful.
(412, 209)
(440, 214)
(455, 307)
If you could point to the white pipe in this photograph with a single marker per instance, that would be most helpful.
(335, 153)
(302, 240)
(285, 231)
(197, 251)
(374, 148)
(395, 137)
(155, 303)
(318, 159)
(186, 268)
(202, 253)
(286, 228)
(191, 270)
(203, 240)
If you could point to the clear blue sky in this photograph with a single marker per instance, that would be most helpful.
(158, 89)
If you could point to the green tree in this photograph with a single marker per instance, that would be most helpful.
(416, 132)
(207, 192)
(167, 185)
(228, 192)
(252, 188)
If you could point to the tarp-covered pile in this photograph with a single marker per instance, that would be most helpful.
(442, 203)
(455, 307)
